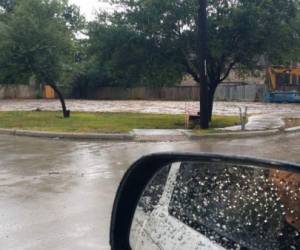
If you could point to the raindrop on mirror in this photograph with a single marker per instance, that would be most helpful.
(209, 205)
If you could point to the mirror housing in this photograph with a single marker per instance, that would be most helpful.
(140, 174)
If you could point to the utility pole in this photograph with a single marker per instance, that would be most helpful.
(202, 57)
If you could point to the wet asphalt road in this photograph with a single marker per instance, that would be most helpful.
(58, 194)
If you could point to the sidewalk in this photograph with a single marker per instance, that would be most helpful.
(265, 122)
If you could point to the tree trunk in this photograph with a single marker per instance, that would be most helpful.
(211, 95)
(210, 106)
(66, 112)
(204, 106)
(202, 56)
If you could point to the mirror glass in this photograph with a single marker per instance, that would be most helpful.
(216, 205)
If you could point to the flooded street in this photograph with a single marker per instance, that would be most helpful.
(156, 107)
(58, 194)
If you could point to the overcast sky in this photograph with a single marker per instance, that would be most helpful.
(89, 7)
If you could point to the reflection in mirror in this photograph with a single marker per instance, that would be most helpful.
(215, 205)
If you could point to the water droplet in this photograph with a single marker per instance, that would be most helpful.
(161, 215)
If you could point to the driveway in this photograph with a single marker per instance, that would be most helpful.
(58, 194)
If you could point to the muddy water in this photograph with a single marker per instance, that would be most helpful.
(165, 107)
(58, 194)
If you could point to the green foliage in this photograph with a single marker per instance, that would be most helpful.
(38, 94)
(153, 38)
(144, 42)
(119, 56)
(71, 15)
(37, 39)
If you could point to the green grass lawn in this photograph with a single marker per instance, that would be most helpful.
(99, 122)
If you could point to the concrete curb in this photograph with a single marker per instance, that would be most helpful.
(233, 135)
(186, 135)
(71, 136)
(7, 131)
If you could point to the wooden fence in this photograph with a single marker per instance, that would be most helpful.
(12, 91)
(223, 93)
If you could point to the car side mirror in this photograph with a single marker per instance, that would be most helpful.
(187, 201)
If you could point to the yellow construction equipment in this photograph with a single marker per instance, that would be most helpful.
(283, 84)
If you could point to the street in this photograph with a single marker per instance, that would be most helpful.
(160, 107)
(58, 194)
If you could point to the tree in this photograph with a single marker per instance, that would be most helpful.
(120, 56)
(37, 40)
(201, 24)
(240, 33)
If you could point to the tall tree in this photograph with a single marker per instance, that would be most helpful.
(118, 55)
(202, 57)
(37, 39)
(240, 33)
